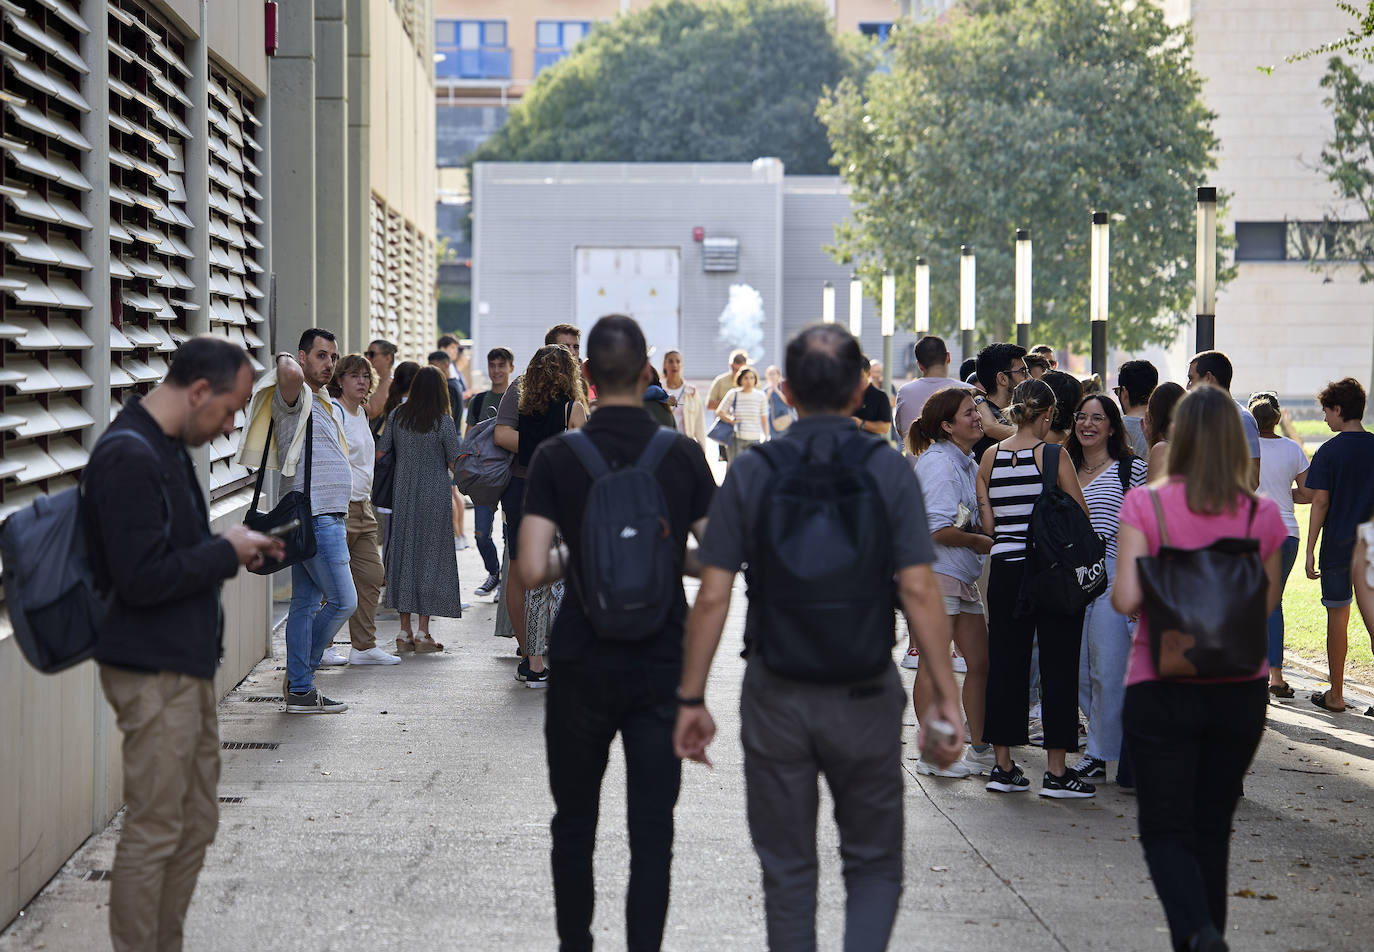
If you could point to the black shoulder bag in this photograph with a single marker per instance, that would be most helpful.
(1206, 607)
(294, 506)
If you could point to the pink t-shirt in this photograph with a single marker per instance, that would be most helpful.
(1188, 530)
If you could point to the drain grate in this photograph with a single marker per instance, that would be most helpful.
(231, 799)
(260, 698)
(97, 875)
(248, 745)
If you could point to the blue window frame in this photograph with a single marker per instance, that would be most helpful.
(471, 49)
(554, 39)
(878, 31)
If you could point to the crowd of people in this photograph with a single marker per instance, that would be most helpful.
(834, 530)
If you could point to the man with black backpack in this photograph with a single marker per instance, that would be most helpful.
(159, 645)
(624, 493)
(830, 526)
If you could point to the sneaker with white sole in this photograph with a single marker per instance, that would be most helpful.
(537, 679)
(980, 762)
(912, 659)
(960, 665)
(955, 771)
(1089, 768)
(1067, 787)
(313, 702)
(332, 658)
(374, 655)
(460, 542)
(1008, 781)
(492, 583)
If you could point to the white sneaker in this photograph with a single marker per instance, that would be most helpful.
(373, 655)
(465, 606)
(332, 658)
(980, 763)
(955, 771)
(912, 659)
(960, 665)
(460, 542)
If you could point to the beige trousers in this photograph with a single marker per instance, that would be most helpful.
(171, 775)
(365, 562)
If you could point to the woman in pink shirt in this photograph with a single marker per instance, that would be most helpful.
(1191, 741)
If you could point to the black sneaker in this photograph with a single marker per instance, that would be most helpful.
(537, 679)
(1067, 787)
(1090, 768)
(1008, 781)
(313, 702)
(522, 670)
(489, 586)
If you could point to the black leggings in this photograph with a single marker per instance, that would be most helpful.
(1190, 747)
(1010, 637)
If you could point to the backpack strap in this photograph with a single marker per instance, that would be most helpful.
(1159, 518)
(587, 454)
(773, 452)
(1049, 467)
(658, 446)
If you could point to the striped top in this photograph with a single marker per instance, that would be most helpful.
(1104, 498)
(1013, 487)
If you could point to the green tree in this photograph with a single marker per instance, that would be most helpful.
(1348, 163)
(681, 82)
(1009, 114)
(1358, 39)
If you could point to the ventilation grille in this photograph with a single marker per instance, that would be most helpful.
(720, 254)
(248, 745)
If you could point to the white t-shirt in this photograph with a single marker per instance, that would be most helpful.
(1281, 462)
(676, 394)
(747, 409)
(362, 450)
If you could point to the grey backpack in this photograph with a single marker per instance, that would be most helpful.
(483, 468)
(54, 601)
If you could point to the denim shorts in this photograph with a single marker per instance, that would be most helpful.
(1336, 588)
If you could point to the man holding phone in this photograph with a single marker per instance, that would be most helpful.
(150, 541)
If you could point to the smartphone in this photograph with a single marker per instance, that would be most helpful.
(285, 529)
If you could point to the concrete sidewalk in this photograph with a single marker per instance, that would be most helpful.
(419, 820)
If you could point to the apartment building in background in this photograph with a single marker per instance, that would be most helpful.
(163, 176)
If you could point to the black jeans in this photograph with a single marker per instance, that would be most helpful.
(585, 709)
(1010, 638)
(1190, 747)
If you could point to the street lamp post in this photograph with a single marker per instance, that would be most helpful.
(889, 319)
(968, 272)
(1023, 287)
(1206, 268)
(856, 304)
(922, 296)
(1098, 294)
(828, 303)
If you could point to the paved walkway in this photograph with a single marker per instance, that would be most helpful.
(419, 820)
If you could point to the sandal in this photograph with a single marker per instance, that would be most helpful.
(1319, 699)
(424, 644)
(404, 644)
(1281, 690)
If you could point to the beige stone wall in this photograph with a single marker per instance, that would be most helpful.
(402, 131)
(236, 36)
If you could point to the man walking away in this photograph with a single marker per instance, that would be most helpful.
(483, 406)
(932, 357)
(1342, 497)
(603, 684)
(159, 645)
(1135, 381)
(1214, 367)
(322, 592)
(821, 694)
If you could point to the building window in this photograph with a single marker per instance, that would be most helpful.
(1261, 240)
(471, 49)
(877, 31)
(1304, 241)
(554, 39)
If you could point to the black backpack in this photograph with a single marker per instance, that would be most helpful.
(55, 598)
(822, 592)
(1067, 559)
(628, 573)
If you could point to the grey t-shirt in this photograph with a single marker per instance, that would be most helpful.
(508, 414)
(730, 527)
(331, 477)
(1252, 437)
(1135, 436)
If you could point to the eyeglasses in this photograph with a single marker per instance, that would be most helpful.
(1019, 370)
(1096, 418)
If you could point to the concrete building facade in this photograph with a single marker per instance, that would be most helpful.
(163, 176)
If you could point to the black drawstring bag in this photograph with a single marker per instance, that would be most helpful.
(1206, 607)
(300, 541)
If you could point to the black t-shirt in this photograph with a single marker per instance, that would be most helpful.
(875, 407)
(556, 488)
(483, 406)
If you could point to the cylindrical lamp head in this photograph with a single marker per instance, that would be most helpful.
(968, 275)
(889, 312)
(1099, 284)
(856, 305)
(922, 296)
(828, 303)
(1206, 250)
(1023, 276)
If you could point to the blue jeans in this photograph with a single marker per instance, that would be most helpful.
(483, 521)
(322, 598)
(1289, 556)
(1102, 672)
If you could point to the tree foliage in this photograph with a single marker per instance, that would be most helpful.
(1348, 163)
(719, 81)
(1009, 114)
(1357, 40)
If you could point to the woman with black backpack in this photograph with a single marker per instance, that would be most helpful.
(1009, 485)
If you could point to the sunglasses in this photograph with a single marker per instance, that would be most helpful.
(371, 354)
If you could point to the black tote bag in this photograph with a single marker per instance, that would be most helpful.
(1206, 606)
(300, 542)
